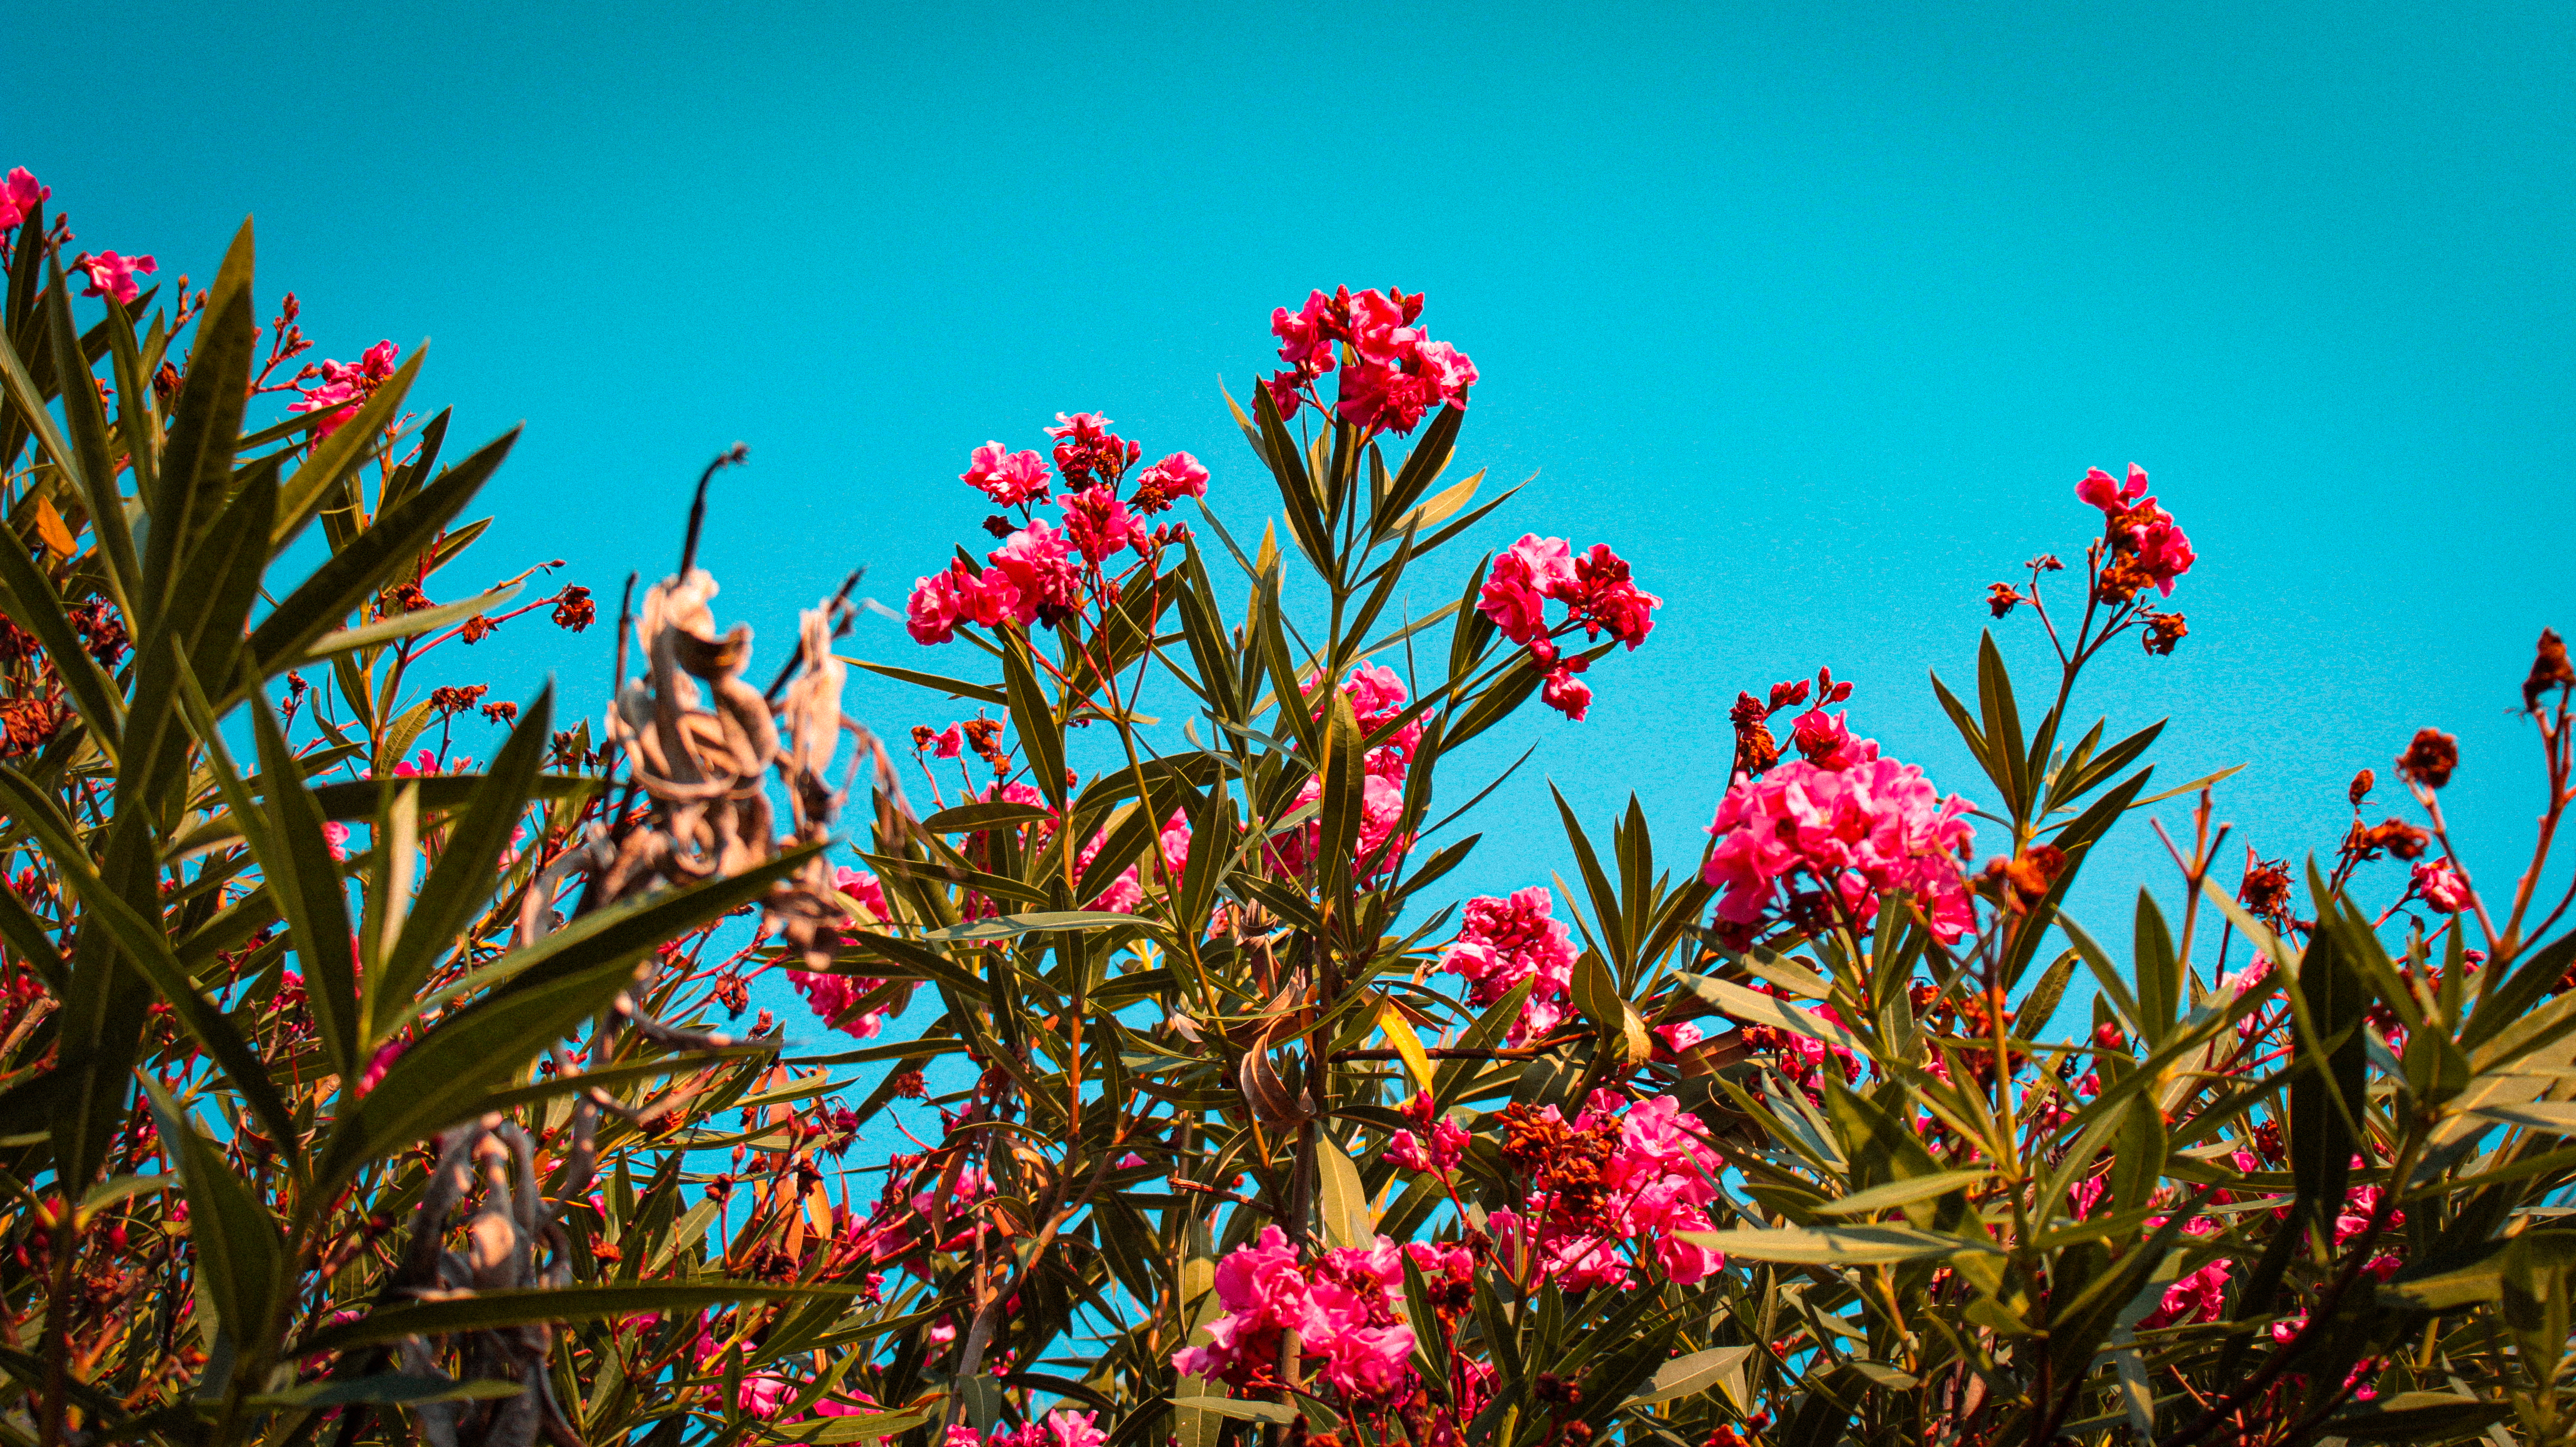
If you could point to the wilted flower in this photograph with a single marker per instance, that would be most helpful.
(1176, 476)
(2146, 547)
(2003, 598)
(2549, 669)
(2164, 630)
(2430, 759)
(574, 610)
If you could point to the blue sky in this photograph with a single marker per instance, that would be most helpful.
(1816, 313)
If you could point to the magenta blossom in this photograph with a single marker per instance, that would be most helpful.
(1503, 941)
(2442, 886)
(1006, 477)
(111, 275)
(1847, 821)
(20, 194)
(836, 998)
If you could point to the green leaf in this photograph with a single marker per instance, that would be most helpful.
(953, 687)
(335, 457)
(998, 814)
(2160, 983)
(1342, 800)
(402, 625)
(1011, 926)
(87, 417)
(389, 1389)
(205, 427)
(2417, 1417)
(1901, 1193)
(360, 569)
(460, 884)
(1342, 1197)
(1689, 1376)
(1739, 1003)
(143, 944)
(2005, 763)
(1836, 1246)
(492, 1310)
(1237, 1408)
(1032, 718)
(241, 1254)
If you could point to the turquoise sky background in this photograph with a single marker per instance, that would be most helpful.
(1816, 313)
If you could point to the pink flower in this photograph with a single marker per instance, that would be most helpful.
(1086, 449)
(1397, 373)
(1448, 1140)
(1178, 475)
(20, 194)
(1826, 740)
(421, 765)
(1602, 599)
(1503, 941)
(2148, 547)
(2441, 885)
(382, 1061)
(1006, 477)
(1036, 562)
(343, 387)
(1524, 576)
(1381, 848)
(947, 743)
(1347, 1311)
(336, 835)
(111, 275)
(1564, 693)
(1659, 1181)
(836, 997)
(1680, 1035)
(1859, 827)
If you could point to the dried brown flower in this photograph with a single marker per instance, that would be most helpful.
(2362, 784)
(504, 712)
(476, 629)
(456, 699)
(573, 609)
(2430, 759)
(2549, 669)
(2265, 892)
(2023, 881)
(2003, 598)
(28, 724)
(2164, 630)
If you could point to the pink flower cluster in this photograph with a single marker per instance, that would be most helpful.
(1448, 1140)
(1396, 372)
(1599, 598)
(1503, 941)
(836, 997)
(1346, 1308)
(1034, 576)
(1659, 1180)
(1378, 698)
(1841, 819)
(343, 387)
(1057, 1429)
(20, 194)
(2146, 546)
(112, 276)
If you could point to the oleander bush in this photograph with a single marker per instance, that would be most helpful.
(354, 1090)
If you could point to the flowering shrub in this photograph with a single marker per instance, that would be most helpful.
(384, 1084)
